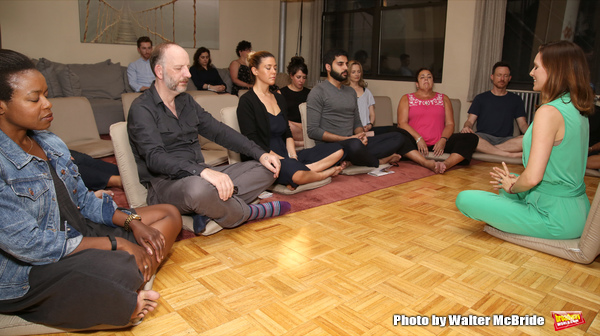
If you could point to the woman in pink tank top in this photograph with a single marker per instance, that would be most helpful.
(427, 118)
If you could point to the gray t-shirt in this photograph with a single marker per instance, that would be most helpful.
(331, 109)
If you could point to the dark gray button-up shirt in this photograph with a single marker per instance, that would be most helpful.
(167, 146)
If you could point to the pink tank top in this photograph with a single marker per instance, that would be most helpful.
(427, 117)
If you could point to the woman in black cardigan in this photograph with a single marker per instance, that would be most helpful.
(262, 116)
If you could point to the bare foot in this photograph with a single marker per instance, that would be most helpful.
(146, 302)
(336, 170)
(339, 168)
(440, 167)
(346, 164)
(430, 164)
(390, 159)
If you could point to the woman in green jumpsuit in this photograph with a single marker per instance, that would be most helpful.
(548, 199)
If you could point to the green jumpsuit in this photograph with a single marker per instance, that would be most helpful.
(558, 206)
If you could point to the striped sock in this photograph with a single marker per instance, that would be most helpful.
(269, 209)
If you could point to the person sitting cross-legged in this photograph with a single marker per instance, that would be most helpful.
(262, 117)
(494, 111)
(163, 125)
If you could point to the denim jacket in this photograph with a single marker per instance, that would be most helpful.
(30, 228)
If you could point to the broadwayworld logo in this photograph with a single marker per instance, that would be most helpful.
(567, 319)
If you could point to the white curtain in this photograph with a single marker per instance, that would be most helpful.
(313, 60)
(487, 43)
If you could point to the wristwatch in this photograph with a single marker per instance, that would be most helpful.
(130, 218)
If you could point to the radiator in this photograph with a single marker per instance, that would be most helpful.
(531, 99)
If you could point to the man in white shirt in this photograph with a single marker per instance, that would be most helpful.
(139, 72)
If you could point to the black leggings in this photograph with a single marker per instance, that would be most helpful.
(463, 144)
(378, 147)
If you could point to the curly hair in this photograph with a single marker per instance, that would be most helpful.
(243, 45)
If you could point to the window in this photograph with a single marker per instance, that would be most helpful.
(530, 23)
(391, 38)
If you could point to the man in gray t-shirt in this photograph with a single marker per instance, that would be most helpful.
(332, 116)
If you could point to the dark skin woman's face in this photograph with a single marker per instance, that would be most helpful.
(29, 107)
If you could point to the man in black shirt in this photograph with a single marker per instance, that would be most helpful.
(163, 126)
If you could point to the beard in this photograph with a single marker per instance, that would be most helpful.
(340, 77)
(173, 84)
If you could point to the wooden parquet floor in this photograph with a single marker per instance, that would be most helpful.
(347, 268)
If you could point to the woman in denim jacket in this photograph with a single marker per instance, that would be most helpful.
(68, 259)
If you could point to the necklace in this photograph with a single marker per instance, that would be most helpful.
(30, 146)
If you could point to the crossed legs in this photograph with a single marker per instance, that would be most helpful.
(510, 148)
(193, 194)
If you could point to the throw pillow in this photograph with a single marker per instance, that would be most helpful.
(50, 71)
(100, 80)
(69, 82)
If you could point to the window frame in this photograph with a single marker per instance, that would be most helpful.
(377, 12)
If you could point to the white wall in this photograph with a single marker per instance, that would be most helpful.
(50, 29)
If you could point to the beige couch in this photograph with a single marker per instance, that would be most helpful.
(101, 83)
(74, 123)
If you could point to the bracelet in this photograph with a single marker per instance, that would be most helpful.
(419, 139)
(208, 86)
(131, 217)
(113, 243)
(510, 189)
(444, 138)
(292, 156)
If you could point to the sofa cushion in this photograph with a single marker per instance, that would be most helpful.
(100, 80)
(50, 71)
(224, 74)
(69, 82)
(106, 113)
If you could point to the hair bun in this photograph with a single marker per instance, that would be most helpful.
(297, 60)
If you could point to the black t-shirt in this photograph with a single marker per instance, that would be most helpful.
(293, 99)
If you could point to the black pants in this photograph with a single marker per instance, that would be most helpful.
(463, 144)
(94, 173)
(378, 147)
(89, 288)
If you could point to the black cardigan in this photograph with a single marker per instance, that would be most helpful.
(253, 119)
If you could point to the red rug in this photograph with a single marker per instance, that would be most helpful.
(343, 187)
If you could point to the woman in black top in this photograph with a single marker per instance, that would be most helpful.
(204, 75)
(239, 70)
(262, 116)
(295, 94)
